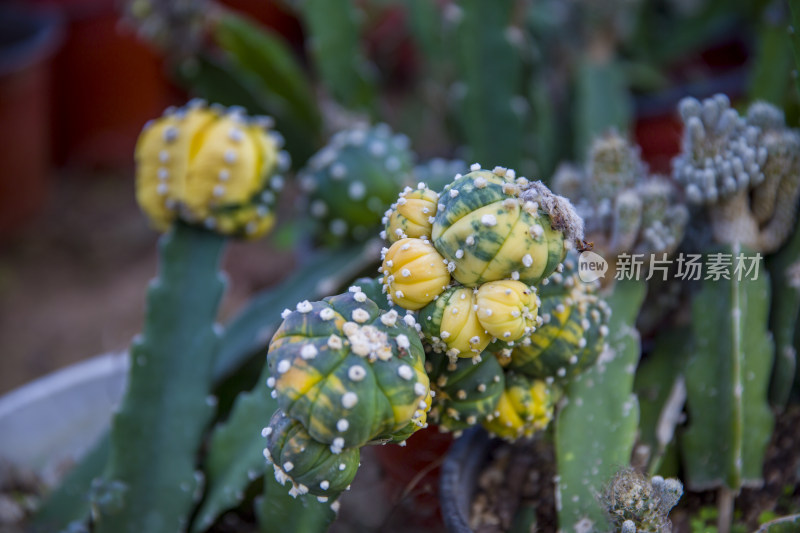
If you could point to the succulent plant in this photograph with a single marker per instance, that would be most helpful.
(624, 208)
(637, 504)
(491, 225)
(347, 371)
(525, 407)
(310, 466)
(210, 165)
(745, 169)
(414, 273)
(450, 323)
(466, 392)
(350, 182)
(411, 214)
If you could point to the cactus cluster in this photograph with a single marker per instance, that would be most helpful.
(746, 169)
(210, 165)
(345, 373)
(624, 208)
(636, 504)
(349, 183)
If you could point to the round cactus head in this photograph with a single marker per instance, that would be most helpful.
(507, 309)
(348, 371)
(211, 166)
(572, 333)
(466, 392)
(524, 407)
(351, 181)
(613, 166)
(450, 324)
(411, 215)
(308, 465)
(413, 273)
(493, 226)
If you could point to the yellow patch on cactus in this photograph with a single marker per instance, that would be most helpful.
(206, 165)
(460, 328)
(411, 215)
(413, 273)
(525, 407)
(507, 309)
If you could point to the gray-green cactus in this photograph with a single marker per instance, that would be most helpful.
(745, 169)
(636, 504)
(351, 181)
(157, 431)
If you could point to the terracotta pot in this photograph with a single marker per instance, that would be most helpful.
(27, 42)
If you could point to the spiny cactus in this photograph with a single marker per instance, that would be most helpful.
(525, 407)
(625, 210)
(310, 466)
(351, 181)
(636, 504)
(348, 372)
(414, 273)
(211, 166)
(492, 225)
(745, 169)
(572, 334)
(466, 392)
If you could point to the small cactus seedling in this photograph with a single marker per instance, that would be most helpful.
(636, 504)
(211, 166)
(351, 181)
(411, 215)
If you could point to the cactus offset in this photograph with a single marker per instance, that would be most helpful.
(450, 323)
(411, 215)
(640, 505)
(525, 407)
(414, 273)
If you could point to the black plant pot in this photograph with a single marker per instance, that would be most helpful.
(459, 479)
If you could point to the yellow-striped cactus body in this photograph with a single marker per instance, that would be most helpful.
(507, 309)
(450, 323)
(349, 372)
(570, 338)
(489, 232)
(211, 166)
(524, 407)
(310, 466)
(466, 392)
(413, 273)
(411, 215)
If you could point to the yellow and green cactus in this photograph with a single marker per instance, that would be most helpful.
(349, 372)
(310, 466)
(450, 323)
(572, 333)
(507, 309)
(413, 273)
(524, 407)
(411, 215)
(351, 181)
(466, 392)
(493, 226)
(212, 166)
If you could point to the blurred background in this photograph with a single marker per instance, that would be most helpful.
(525, 84)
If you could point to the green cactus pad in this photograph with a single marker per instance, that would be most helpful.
(348, 371)
(309, 465)
(489, 231)
(352, 181)
(466, 392)
(572, 334)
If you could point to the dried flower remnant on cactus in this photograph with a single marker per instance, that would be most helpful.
(350, 182)
(638, 504)
(210, 165)
(746, 170)
(349, 372)
(625, 209)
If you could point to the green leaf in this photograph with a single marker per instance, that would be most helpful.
(771, 73)
(150, 482)
(784, 314)
(333, 36)
(263, 53)
(794, 35)
(727, 374)
(596, 430)
(661, 390)
(491, 71)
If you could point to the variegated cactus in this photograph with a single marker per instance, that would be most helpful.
(525, 407)
(411, 215)
(349, 372)
(351, 181)
(414, 273)
(491, 225)
(210, 165)
(310, 466)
